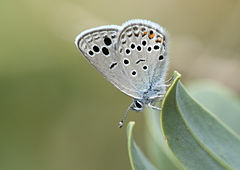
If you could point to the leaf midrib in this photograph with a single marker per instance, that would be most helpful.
(198, 140)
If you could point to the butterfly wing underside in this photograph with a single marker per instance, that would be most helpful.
(98, 45)
(142, 45)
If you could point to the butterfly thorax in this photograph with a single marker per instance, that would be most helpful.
(151, 96)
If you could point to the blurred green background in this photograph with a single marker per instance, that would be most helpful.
(57, 112)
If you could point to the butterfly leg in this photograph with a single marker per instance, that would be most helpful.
(169, 80)
(158, 95)
(154, 107)
(157, 98)
(164, 83)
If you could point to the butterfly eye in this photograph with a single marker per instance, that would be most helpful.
(138, 104)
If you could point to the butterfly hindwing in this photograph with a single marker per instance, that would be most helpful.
(142, 47)
(98, 45)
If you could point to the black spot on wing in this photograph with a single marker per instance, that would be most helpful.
(107, 41)
(113, 65)
(160, 57)
(95, 48)
(90, 53)
(105, 51)
(140, 60)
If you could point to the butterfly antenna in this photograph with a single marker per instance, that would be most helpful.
(124, 117)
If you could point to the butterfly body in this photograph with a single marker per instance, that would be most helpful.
(133, 57)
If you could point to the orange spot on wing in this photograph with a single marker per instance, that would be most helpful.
(136, 34)
(143, 34)
(159, 40)
(150, 36)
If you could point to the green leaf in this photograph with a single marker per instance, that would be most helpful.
(158, 150)
(137, 159)
(219, 100)
(197, 137)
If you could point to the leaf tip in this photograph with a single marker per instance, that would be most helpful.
(131, 123)
(176, 75)
(130, 128)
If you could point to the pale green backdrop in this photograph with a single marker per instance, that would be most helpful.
(57, 112)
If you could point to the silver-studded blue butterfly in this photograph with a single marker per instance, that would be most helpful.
(133, 57)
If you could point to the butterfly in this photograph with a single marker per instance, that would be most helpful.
(133, 57)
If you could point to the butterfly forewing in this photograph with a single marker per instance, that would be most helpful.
(142, 49)
(98, 45)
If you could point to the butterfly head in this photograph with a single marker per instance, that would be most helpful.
(137, 105)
